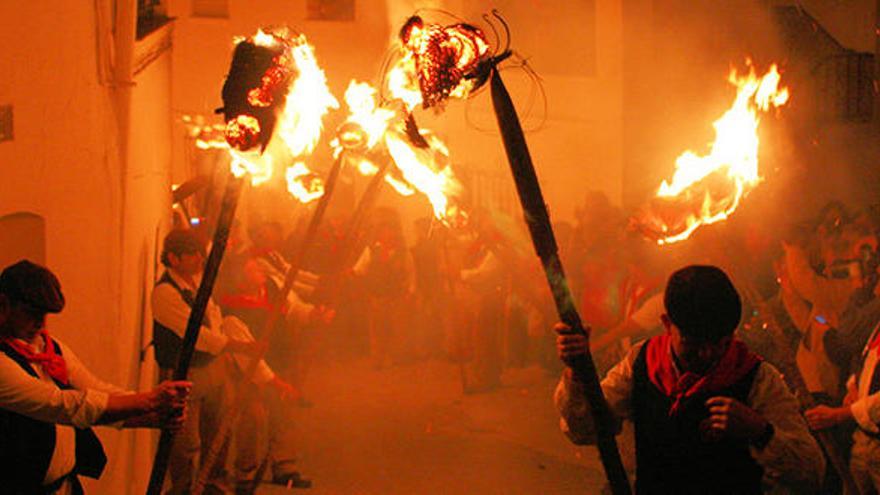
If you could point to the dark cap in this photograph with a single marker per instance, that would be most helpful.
(703, 303)
(181, 241)
(33, 285)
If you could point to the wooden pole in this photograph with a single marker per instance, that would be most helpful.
(538, 221)
(875, 86)
(308, 241)
(197, 314)
(785, 361)
(367, 200)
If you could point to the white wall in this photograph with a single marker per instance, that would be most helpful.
(101, 205)
(578, 147)
(64, 164)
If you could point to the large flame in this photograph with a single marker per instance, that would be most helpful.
(308, 102)
(373, 131)
(708, 189)
(423, 168)
(300, 122)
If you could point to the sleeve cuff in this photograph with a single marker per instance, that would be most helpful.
(862, 416)
(93, 407)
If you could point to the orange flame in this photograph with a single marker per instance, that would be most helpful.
(441, 57)
(303, 184)
(424, 169)
(371, 127)
(299, 126)
(711, 187)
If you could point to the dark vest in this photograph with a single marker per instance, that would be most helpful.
(168, 343)
(27, 445)
(671, 456)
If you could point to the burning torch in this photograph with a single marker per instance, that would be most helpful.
(449, 58)
(274, 88)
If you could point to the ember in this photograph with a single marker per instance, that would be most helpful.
(443, 57)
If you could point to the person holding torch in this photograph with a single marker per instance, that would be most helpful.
(49, 399)
(710, 416)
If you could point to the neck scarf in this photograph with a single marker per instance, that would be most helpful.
(248, 301)
(874, 343)
(52, 363)
(733, 366)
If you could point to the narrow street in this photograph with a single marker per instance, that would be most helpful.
(410, 430)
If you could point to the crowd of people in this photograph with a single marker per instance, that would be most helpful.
(698, 389)
(717, 375)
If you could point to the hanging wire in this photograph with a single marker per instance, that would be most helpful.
(536, 91)
(500, 19)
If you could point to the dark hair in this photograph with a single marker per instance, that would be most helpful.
(180, 241)
(703, 303)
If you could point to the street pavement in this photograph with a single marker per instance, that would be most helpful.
(410, 430)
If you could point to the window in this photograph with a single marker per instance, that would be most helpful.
(151, 16)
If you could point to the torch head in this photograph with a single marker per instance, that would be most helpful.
(254, 93)
(446, 57)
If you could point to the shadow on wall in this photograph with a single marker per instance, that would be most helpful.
(22, 235)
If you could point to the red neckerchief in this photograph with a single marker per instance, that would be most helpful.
(247, 301)
(53, 364)
(735, 364)
(256, 252)
(874, 344)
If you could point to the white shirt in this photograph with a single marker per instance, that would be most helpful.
(792, 457)
(648, 315)
(866, 408)
(41, 399)
(170, 310)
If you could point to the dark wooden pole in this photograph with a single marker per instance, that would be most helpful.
(356, 221)
(194, 324)
(308, 241)
(538, 221)
(785, 361)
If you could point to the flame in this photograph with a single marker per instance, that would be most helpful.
(415, 165)
(368, 121)
(402, 82)
(300, 123)
(263, 38)
(308, 101)
(442, 57)
(711, 187)
(372, 129)
(303, 184)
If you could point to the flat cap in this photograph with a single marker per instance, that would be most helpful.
(183, 241)
(33, 285)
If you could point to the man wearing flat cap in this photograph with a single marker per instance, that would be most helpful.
(710, 416)
(49, 399)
